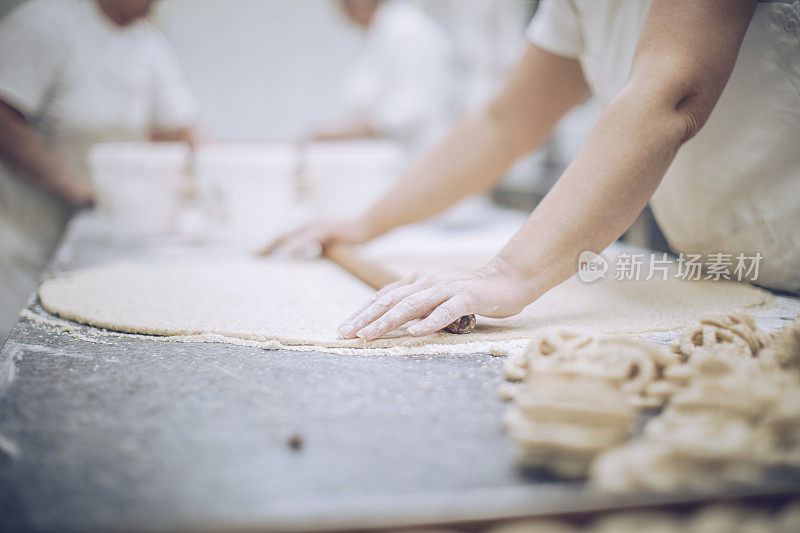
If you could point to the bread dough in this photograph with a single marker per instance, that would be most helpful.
(560, 421)
(735, 334)
(783, 350)
(724, 430)
(634, 365)
(301, 304)
(727, 517)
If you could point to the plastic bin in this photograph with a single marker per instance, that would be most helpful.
(343, 178)
(247, 191)
(139, 185)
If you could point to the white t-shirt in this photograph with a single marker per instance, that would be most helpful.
(79, 79)
(735, 187)
(403, 82)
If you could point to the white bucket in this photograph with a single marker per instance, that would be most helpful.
(344, 178)
(138, 185)
(247, 190)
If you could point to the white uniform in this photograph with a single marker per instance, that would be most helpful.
(735, 187)
(403, 82)
(79, 79)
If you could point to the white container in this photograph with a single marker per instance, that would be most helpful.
(247, 190)
(138, 185)
(344, 178)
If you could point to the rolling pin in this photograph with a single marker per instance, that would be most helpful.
(377, 277)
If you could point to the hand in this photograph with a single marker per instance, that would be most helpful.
(78, 194)
(496, 290)
(319, 233)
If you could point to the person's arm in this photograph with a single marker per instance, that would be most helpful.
(184, 134)
(683, 60)
(34, 47)
(22, 149)
(357, 129)
(175, 110)
(473, 157)
(482, 147)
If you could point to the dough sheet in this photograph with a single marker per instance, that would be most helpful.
(302, 303)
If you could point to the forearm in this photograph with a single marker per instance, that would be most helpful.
(357, 129)
(186, 135)
(600, 194)
(22, 149)
(480, 149)
(471, 159)
(596, 198)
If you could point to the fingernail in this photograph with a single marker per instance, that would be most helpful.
(364, 334)
(345, 330)
(414, 330)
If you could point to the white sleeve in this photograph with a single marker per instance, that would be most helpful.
(408, 86)
(555, 27)
(417, 81)
(173, 102)
(32, 53)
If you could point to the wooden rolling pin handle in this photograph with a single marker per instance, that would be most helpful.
(377, 277)
(370, 272)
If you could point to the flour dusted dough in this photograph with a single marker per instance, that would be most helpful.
(727, 517)
(302, 303)
(735, 334)
(635, 366)
(722, 431)
(560, 421)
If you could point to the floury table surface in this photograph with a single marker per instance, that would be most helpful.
(136, 433)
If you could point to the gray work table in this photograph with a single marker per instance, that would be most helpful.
(133, 433)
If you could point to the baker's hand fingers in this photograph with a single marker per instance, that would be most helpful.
(281, 240)
(414, 306)
(408, 280)
(374, 309)
(272, 246)
(306, 244)
(442, 316)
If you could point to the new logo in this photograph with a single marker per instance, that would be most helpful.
(591, 267)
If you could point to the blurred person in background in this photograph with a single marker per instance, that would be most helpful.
(721, 182)
(403, 84)
(72, 73)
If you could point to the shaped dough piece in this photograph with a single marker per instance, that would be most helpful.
(561, 422)
(735, 334)
(635, 365)
(783, 350)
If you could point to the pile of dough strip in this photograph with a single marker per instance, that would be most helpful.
(560, 421)
(730, 395)
(722, 518)
(640, 370)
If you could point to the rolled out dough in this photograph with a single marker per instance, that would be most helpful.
(301, 304)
